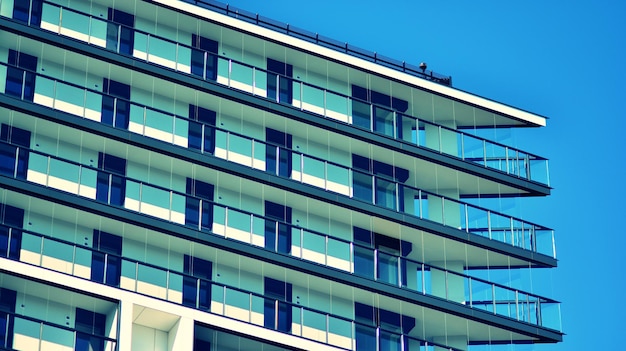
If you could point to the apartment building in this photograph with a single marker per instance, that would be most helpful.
(183, 175)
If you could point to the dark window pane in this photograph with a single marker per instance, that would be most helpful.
(203, 57)
(115, 105)
(120, 34)
(14, 82)
(192, 212)
(365, 338)
(97, 266)
(364, 262)
(90, 322)
(362, 186)
(278, 81)
(118, 190)
(21, 10)
(7, 159)
(189, 291)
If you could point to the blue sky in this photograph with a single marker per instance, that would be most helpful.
(561, 59)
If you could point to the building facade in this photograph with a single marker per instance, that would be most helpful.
(181, 175)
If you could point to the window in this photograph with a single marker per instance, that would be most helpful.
(7, 308)
(28, 11)
(389, 325)
(14, 160)
(201, 129)
(115, 103)
(11, 218)
(197, 286)
(380, 189)
(106, 262)
(278, 152)
(377, 118)
(277, 231)
(20, 81)
(380, 252)
(120, 34)
(199, 205)
(279, 86)
(111, 181)
(89, 325)
(277, 307)
(204, 57)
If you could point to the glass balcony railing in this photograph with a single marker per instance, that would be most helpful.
(307, 97)
(207, 295)
(28, 333)
(253, 229)
(306, 169)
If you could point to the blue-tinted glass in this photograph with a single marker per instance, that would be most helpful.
(277, 153)
(195, 135)
(122, 110)
(127, 38)
(22, 164)
(118, 190)
(14, 83)
(113, 270)
(12, 216)
(202, 269)
(35, 13)
(106, 263)
(284, 238)
(97, 266)
(269, 313)
(120, 33)
(365, 338)
(203, 58)
(204, 117)
(276, 212)
(15, 244)
(390, 342)
(284, 317)
(192, 212)
(108, 110)
(271, 159)
(85, 342)
(90, 322)
(189, 291)
(204, 296)
(281, 85)
(102, 187)
(281, 291)
(4, 241)
(201, 345)
(362, 186)
(385, 193)
(21, 8)
(364, 262)
(7, 305)
(115, 105)
(207, 215)
(270, 234)
(7, 159)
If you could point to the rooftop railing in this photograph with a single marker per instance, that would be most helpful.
(426, 279)
(315, 38)
(307, 97)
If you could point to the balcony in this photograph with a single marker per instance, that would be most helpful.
(240, 149)
(211, 296)
(305, 244)
(306, 97)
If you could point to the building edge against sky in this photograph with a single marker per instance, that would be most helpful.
(187, 176)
